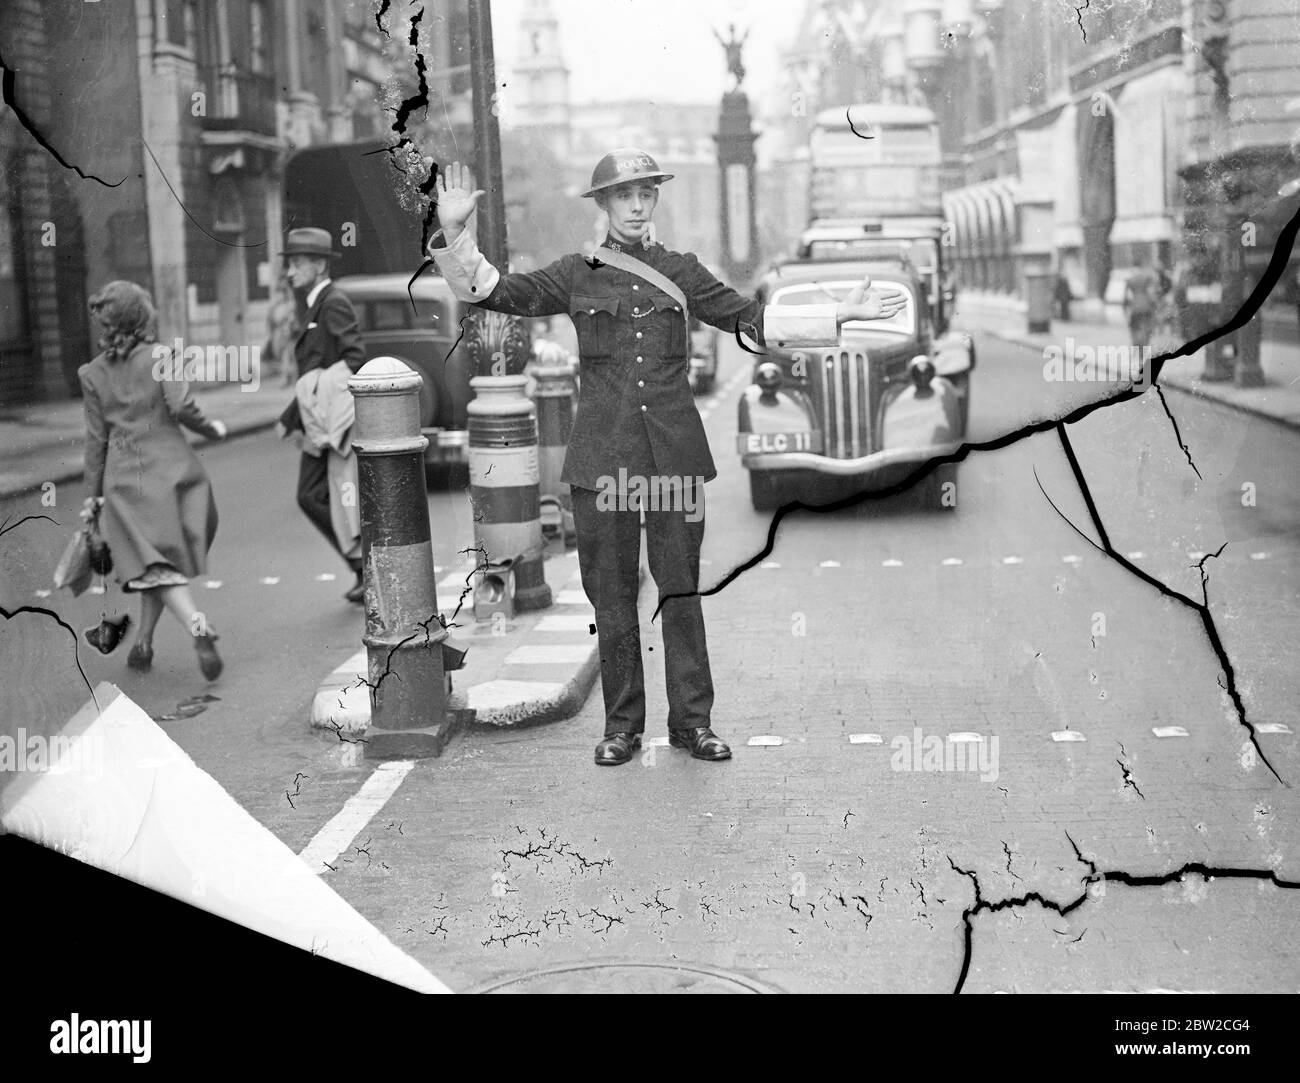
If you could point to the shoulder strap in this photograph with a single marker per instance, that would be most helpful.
(624, 262)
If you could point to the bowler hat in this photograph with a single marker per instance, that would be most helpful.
(309, 241)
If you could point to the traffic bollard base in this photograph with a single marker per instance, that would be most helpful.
(415, 744)
(531, 590)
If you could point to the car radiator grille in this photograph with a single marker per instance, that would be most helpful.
(842, 395)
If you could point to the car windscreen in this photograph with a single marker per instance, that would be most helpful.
(819, 293)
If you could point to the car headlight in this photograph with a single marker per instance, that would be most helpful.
(921, 370)
(768, 377)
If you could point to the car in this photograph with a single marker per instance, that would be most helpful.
(704, 357)
(819, 424)
(423, 336)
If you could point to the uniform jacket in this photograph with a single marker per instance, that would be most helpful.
(636, 411)
(329, 334)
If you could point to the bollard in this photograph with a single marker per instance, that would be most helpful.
(554, 398)
(404, 638)
(503, 480)
(1039, 291)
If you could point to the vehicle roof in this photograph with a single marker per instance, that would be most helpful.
(822, 270)
(373, 287)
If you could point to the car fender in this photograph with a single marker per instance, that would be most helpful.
(781, 411)
(912, 418)
(953, 354)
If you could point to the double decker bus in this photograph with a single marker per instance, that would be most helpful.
(875, 160)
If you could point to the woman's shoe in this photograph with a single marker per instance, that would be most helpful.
(209, 660)
(141, 657)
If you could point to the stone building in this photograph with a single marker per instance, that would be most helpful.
(181, 113)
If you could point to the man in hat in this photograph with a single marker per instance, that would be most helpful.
(637, 422)
(329, 335)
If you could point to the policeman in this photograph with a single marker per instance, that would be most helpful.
(637, 430)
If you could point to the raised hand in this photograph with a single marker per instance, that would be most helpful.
(457, 198)
(866, 303)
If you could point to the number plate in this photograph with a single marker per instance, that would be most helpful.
(762, 443)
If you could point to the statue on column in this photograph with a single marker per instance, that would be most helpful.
(732, 48)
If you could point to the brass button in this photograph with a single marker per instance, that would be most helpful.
(635, 287)
(640, 383)
(643, 406)
(636, 311)
(639, 360)
(592, 311)
(638, 334)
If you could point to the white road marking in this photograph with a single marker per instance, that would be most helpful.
(1068, 735)
(269, 580)
(1258, 556)
(1195, 554)
(766, 740)
(865, 739)
(212, 584)
(534, 654)
(1136, 555)
(563, 622)
(326, 577)
(771, 564)
(1013, 560)
(829, 564)
(951, 561)
(891, 563)
(1272, 727)
(1070, 558)
(1169, 731)
(359, 809)
(43, 593)
(965, 738)
(655, 742)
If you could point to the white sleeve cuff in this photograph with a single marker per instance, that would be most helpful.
(794, 326)
(466, 270)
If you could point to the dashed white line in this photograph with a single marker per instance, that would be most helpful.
(1068, 735)
(1013, 560)
(951, 562)
(866, 739)
(357, 811)
(891, 563)
(269, 580)
(1169, 731)
(1070, 558)
(829, 564)
(766, 740)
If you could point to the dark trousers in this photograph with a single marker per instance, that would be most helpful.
(314, 499)
(609, 554)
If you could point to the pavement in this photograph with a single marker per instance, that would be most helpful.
(1005, 318)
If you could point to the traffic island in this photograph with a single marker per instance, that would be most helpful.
(532, 668)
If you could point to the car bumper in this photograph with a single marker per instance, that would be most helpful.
(875, 463)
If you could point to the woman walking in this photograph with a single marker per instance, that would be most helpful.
(155, 503)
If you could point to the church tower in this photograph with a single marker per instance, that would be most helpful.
(541, 101)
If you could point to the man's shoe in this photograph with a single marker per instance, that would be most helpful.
(702, 741)
(617, 748)
(358, 592)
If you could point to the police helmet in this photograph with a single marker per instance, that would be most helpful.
(623, 165)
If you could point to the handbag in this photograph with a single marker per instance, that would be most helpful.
(73, 570)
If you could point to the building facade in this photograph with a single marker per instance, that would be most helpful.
(183, 126)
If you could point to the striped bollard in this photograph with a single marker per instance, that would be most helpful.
(403, 638)
(503, 480)
(554, 398)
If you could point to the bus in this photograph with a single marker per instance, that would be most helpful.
(874, 160)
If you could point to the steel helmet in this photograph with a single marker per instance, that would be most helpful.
(623, 165)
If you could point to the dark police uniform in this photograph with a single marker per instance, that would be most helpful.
(636, 413)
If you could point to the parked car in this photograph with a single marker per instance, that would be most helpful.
(819, 424)
(704, 357)
(422, 336)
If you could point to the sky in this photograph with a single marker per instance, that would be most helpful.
(663, 50)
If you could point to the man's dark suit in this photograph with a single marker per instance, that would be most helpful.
(329, 335)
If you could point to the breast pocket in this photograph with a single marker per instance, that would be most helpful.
(594, 320)
(670, 323)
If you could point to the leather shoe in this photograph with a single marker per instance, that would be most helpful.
(617, 748)
(358, 591)
(702, 741)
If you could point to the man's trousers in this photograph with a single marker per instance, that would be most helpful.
(609, 554)
(314, 500)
